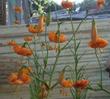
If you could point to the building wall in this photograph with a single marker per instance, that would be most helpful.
(9, 60)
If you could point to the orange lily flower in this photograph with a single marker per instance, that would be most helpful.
(63, 82)
(67, 4)
(19, 78)
(66, 83)
(37, 28)
(100, 3)
(13, 79)
(20, 50)
(54, 37)
(96, 41)
(82, 84)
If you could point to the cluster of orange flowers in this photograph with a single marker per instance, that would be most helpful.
(67, 83)
(81, 84)
(96, 41)
(20, 77)
(23, 77)
(53, 36)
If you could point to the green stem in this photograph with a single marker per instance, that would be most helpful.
(47, 52)
(106, 91)
(75, 48)
(53, 69)
(74, 33)
(52, 72)
(75, 54)
(101, 84)
(36, 61)
(57, 56)
(99, 89)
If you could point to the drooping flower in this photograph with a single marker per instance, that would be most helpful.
(13, 79)
(67, 4)
(20, 50)
(39, 27)
(16, 78)
(66, 83)
(54, 37)
(82, 84)
(100, 3)
(33, 28)
(20, 77)
(96, 41)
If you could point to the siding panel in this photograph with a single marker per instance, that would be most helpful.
(9, 61)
